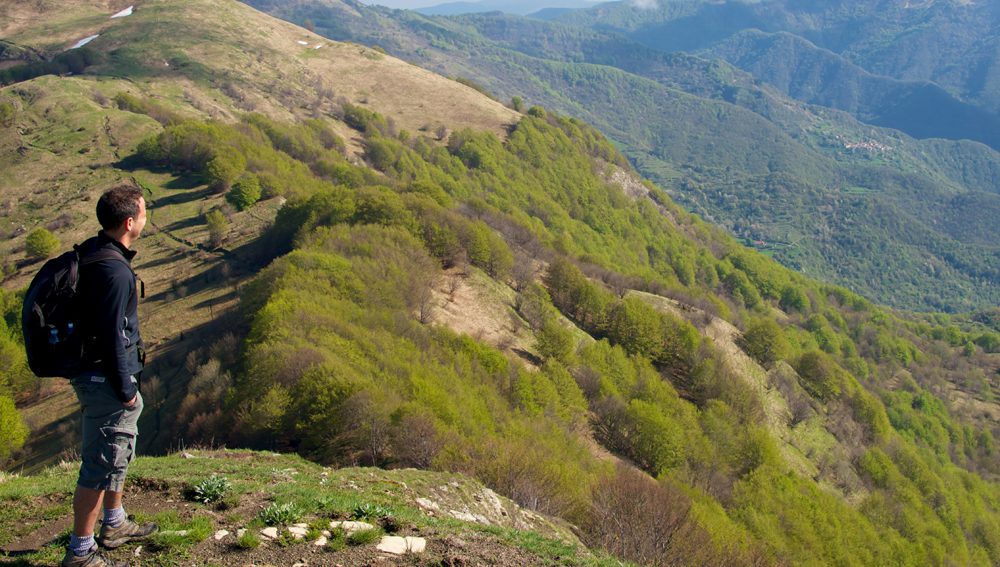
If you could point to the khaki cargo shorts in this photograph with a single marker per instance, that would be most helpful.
(109, 434)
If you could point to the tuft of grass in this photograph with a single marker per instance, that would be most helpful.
(177, 535)
(364, 537)
(280, 514)
(249, 540)
(337, 541)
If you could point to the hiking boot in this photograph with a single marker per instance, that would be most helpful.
(110, 538)
(92, 559)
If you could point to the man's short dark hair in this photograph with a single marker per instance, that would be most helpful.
(117, 204)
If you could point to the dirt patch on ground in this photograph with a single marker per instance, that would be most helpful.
(470, 303)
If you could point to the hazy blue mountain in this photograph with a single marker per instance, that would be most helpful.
(521, 7)
(812, 74)
(950, 42)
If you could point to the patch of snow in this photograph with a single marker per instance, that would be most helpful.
(318, 45)
(300, 42)
(85, 41)
(221, 534)
(123, 13)
(320, 542)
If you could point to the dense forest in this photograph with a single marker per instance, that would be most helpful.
(842, 453)
(907, 222)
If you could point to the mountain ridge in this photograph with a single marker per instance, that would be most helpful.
(626, 366)
(673, 143)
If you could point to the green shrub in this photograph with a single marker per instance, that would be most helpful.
(245, 192)
(218, 226)
(223, 169)
(13, 431)
(794, 299)
(555, 341)
(821, 376)
(41, 243)
(765, 341)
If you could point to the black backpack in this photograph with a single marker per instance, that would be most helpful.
(49, 314)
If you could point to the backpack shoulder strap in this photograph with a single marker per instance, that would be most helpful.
(107, 254)
(89, 257)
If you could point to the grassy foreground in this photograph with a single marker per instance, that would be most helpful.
(259, 489)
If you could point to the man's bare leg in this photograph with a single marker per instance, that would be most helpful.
(112, 500)
(86, 507)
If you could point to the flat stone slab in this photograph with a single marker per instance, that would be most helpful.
(221, 534)
(297, 532)
(392, 544)
(270, 533)
(416, 544)
(350, 527)
(402, 545)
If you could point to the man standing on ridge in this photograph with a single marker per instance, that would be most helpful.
(108, 386)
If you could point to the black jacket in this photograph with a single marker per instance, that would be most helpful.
(109, 315)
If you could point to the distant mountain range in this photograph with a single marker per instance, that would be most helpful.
(520, 7)
(824, 189)
(929, 69)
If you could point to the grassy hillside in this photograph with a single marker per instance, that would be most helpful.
(788, 178)
(507, 301)
(460, 520)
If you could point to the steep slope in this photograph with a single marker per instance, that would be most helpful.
(68, 136)
(676, 383)
(696, 127)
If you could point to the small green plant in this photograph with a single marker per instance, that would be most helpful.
(368, 511)
(316, 528)
(211, 489)
(364, 537)
(280, 514)
(249, 540)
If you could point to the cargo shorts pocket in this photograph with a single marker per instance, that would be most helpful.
(119, 447)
